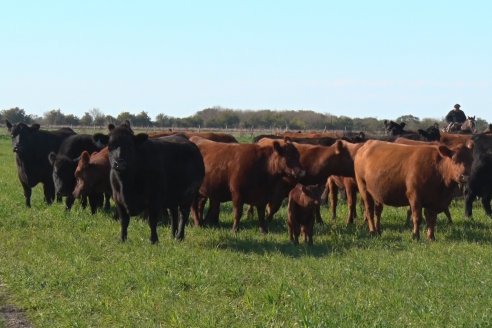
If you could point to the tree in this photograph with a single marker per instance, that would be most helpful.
(98, 117)
(86, 119)
(15, 115)
(122, 117)
(142, 119)
(162, 120)
(54, 117)
(71, 119)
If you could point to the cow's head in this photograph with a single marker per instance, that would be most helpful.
(82, 175)
(63, 173)
(286, 159)
(122, 148)
(393, 128)
(459, 162)
(311, 195)
(431, 133)
(22, 136)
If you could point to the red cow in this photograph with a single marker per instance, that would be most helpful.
(92, 175)
(303, 201)
(319, 162)
(453, 144)
(243, 173)
(423, 177)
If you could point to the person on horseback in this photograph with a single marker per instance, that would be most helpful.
(455, 117)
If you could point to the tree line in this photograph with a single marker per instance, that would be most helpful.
(220, 118)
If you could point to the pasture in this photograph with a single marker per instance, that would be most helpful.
(70, 269)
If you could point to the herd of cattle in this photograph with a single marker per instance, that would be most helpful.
(177, 173)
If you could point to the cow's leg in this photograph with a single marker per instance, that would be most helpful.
(27, 193)
(378, 209)
(430, 219)
(263, 224)
(153, 219)
(238, 211)
(124, 220)
(297, 232)
(174, 221)
(469, 199)
(212, 217)
(448, 215)
(197, 209)
(251, 212)
(486, 205)
(107, 204)
(69, 202)
(409, 216)
(308, 231)
(290, 226)
(49, 191)
(369, 213)
(59, 198)
(183, 221)
(368, 205)
(95, 200)
(351, 203)
(333, 196)
(417, 219)
(83, 201)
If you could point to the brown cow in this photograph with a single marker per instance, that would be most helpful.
(92, 176)
(243, 173)
(423, 177)
(319, 162)
(457, 192)
(303, 201)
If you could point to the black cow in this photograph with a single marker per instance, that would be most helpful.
(65, 162)
(151, 175)
(432, 133)
(32, 147)
(480, 179)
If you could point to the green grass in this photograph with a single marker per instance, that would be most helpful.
(71, 270)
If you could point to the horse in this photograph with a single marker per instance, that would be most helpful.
(468, 126)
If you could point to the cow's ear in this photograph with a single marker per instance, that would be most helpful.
(445, 151)
(287, 139)
(52, 158)
(111, 127)
(35, 127)
(402, 124)
(141, 138)
(278, 148)
(127, 124)
(9, 125)
(338, 146)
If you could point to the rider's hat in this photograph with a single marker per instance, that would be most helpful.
(457, 106)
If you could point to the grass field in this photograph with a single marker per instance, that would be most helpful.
(70, 270)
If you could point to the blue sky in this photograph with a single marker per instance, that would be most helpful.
(378, 59)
